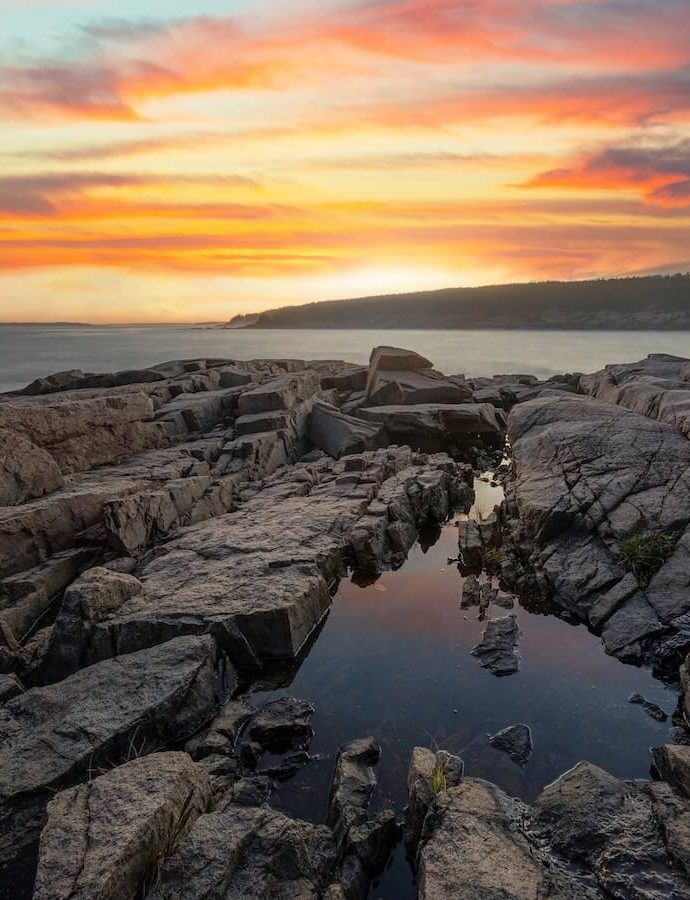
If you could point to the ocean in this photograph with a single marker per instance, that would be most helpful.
(27, 352)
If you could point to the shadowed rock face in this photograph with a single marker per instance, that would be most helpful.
(53, 736)
(588, 477)
(438, 426)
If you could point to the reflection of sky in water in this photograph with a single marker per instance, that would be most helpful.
(393, 660)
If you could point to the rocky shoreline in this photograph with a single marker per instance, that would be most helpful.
(168, 534)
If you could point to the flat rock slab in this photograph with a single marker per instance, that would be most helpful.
(52, 736)
(80, 434)
(281, 393)
(105, 839)
(497, 650)
(589, 476)
(249, 852)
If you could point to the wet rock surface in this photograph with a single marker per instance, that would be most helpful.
(516, 741)
(497, 650)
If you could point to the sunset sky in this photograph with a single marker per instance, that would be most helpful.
(166, 165)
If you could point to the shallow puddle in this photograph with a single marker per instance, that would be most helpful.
(393, 660)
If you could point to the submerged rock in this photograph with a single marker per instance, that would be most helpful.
(516, 741)
(656, 712)
(497, 650)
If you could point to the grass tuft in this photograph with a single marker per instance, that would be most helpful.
(645, 553)
(438, 776)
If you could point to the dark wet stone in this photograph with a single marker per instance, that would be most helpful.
(281, 720)
(656, 712)
(497, 650)
(516, 741)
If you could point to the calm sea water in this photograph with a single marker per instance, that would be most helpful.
(27, 352)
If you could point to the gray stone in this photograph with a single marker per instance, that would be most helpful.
(433, 427)
(475, 846)
(281, 393)
(52, 736)
(107, 838)
(673, 764)
(26, 471)
(339, 434)
(353, 784)
(612, 829)
(516, 741)
(248, 852)
(497, 650)
(588, 476)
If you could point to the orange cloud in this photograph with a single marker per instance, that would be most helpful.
(659, 172)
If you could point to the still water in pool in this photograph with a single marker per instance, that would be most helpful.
(393, 660)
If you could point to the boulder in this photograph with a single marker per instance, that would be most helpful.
(280, 721)
(617, 830)
(51, 737)
(248, 852)
(353, 784)
(594, 483)
(393, 359)
(410, 388)
(339, 434)
(26, 471)
(474, 846)
(429, 773)
(107, 838)
(672, 761)
(94, 596)
(49, 384)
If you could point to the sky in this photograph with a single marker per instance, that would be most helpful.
(189, 162)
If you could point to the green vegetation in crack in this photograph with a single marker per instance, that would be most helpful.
(645, 553)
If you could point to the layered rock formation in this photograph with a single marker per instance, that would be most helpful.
(169, 534)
